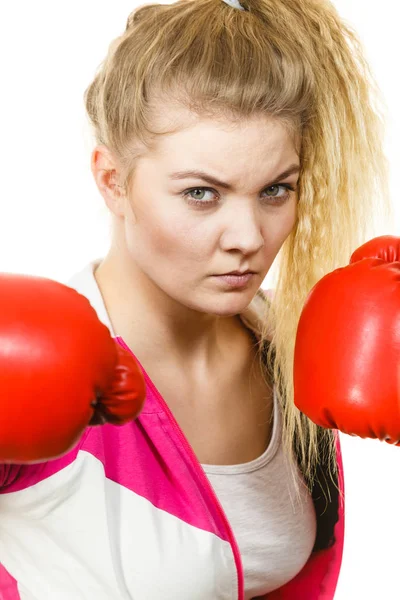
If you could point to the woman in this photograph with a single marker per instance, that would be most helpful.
(221, 488)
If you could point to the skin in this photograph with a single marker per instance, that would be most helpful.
(157, 278)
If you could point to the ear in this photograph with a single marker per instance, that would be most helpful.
(106, 175)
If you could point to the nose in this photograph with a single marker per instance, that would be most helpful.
(242, 231)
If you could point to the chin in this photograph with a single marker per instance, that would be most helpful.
(227, 306)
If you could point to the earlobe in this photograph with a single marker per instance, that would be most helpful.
(105, 173)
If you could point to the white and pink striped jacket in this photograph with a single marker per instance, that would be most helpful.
(130, 514)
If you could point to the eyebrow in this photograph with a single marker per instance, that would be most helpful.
(214, 181)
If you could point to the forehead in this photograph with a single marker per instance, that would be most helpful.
(171, 112)
(212, 140)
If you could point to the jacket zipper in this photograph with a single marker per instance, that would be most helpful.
(203, 478)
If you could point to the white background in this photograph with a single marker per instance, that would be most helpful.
(52, 218)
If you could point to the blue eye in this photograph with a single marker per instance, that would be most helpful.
(276, 200)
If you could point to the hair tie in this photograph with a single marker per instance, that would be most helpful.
(234, 4)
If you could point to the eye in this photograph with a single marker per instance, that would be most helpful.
(199, 201)
(276, 199)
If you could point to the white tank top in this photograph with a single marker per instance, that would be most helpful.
(274, 529)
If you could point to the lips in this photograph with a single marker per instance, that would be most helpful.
(239, 273)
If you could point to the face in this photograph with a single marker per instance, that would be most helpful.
(183, 231)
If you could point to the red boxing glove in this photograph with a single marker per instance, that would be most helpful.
(347, 350)
(60, 370)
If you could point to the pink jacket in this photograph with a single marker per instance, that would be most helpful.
(130, 514)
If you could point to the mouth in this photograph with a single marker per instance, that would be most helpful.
(236, 279)
(239, 273)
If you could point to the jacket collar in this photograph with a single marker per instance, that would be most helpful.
(85, 283)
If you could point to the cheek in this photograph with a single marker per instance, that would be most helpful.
(158, 236)
(289, 220)
(278, 228)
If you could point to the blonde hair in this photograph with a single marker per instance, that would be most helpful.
(292, 59)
